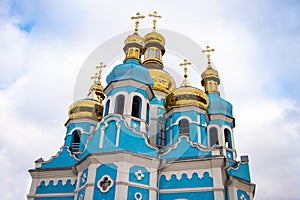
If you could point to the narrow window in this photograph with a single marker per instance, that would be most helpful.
(136, 107)
(157, 54)
(120, 104)
(75, 141)
(213, 136)
(148, 114)
(107, 107)
(151, 53)
(184, 127)
(227, 136)
(161, 136)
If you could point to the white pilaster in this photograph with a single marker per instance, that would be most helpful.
(122, 177)
(89, 190)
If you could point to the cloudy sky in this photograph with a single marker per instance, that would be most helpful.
(44, 44)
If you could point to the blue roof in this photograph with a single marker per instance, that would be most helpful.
(131, 69)
(217, 105)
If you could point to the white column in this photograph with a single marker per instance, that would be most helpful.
(218, 183)
(89, 190)
(33, 187)
(153, 183)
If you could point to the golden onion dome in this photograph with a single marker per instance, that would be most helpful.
(98, 89)
(210, 73)
(155, 38)
(163, 81)
(89, 107)
(134, 39)
(186, 95)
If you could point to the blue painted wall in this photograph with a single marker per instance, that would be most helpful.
(59, 188)
(184, 182)
(187, 195)
(133, 178)
(133, 190)
(105, 169)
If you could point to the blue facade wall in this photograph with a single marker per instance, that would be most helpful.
(57, 188)
(105, 169)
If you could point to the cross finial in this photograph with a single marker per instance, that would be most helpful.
(95, 77)
(208, 50)
(185, 63)
(154, 15)
(137, 17)
(100, 67)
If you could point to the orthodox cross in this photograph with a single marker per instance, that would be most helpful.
(208, 50)
(137, 17)
(154, 15)
(97, 76)
(185, 63)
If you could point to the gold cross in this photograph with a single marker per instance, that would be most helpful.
(154, 15)
(100, 67)
(95, 77)
(208, 50)
(137, 17)
(185, 63)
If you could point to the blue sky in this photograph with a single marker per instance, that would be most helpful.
(43, 45)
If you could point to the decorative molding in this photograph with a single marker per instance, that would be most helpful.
(108, 183)
(197, 145)
(186, 108)
(189, 174)
(138, 196)
(55, 181)
(184, 190)
(139, 175)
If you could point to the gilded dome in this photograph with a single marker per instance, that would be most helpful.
(163, 81)
(89, 107)
(154, 37)
(210, 73)
(134, 39)
(186, 96)
(98, 89)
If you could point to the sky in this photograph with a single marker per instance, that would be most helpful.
(44, 44)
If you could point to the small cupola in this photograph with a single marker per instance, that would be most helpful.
(154, 46)
(186, 95)
(210, 77)
(90, 107)
(134, 43)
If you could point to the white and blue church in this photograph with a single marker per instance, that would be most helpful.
(144, 138)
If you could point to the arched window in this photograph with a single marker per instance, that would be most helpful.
(227, 138)
(120, 104)
(148, 114)
(75, 141)
(213, 136)
(136, 107)
(107, 107)
(161, 135)
(184, 127)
